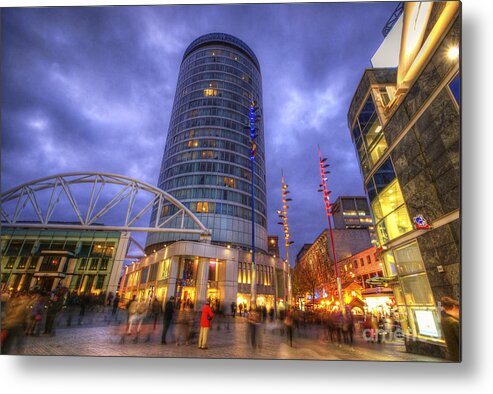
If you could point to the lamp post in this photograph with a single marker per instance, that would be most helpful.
(253, 151)
(283, 215)
(328, 209)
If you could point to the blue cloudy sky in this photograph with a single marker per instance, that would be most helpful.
(91, 89)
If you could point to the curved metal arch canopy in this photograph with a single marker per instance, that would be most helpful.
(25, 195)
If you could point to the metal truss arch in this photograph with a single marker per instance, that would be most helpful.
(118, 191)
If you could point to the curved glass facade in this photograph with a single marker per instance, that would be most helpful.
(206, 162)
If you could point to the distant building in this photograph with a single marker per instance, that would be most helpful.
(405, 125)
(355, 271)
(351, 212)
(87, 262)
(302, 251)
(347, 242)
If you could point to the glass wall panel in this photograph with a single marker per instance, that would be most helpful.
(455, 88)
(384, 175)
(373, 130)
(367, 112)
(398, 223)
(417, 290)
(389, 264)
(378, 149)
(409, 259)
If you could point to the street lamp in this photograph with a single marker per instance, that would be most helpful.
(328, 209)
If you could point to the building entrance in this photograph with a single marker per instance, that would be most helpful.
(185, 295)
(213, 296)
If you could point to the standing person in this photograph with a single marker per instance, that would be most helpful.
(116, 302)
(132, 307)
(155, 310)
(109, 300)
(288, 322)
(53, 307)
(451, 327)
(184, 325)
(241, 309)
(168, 316)
(16, 312)
(205, 324)
(233, 309)
(36, 316)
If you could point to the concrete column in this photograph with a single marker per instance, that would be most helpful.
(173, 275)
(201, 287)
(116, 269)
(228, 283)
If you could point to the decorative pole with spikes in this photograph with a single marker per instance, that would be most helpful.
(328, 209)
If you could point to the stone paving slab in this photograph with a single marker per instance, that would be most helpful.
(110, 340)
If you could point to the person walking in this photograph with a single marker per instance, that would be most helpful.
(116, 302)
(53, 306)
(168, 316)
(36, 317)
(288, 322)
(451, 327)
(233, 309)
(205, 324)
(132, 314)
(155, 310)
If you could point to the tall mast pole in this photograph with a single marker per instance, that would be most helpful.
(328, 209)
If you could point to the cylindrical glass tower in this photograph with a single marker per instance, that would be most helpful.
(206, 162)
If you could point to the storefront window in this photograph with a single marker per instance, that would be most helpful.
(409, 260)
(399, 296)
(417, 290)
(165, 268)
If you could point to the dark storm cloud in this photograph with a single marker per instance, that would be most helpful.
(91, 89)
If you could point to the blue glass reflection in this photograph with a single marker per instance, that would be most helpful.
(455, 88)
(384, 175)
(366, 113)
(370, 188)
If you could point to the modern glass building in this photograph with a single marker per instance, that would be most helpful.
(206, 162)
(405, 124)
(88, 262)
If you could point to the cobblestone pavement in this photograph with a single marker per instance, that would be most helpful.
(99, 338)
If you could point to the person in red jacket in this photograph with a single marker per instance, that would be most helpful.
(205, 324)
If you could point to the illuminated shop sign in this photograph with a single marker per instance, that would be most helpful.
(426, 323)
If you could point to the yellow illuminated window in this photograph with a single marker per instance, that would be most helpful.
(350, 213)
(373, 132)
(389, 264)
(390, 213)
(203, 206)
(229, 182)
(378, 150)
(210, 92)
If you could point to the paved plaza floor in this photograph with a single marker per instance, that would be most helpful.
(110, 339)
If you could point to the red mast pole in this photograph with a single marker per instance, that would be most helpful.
(328, 210)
